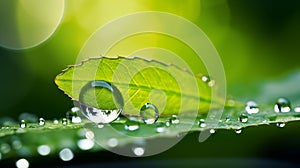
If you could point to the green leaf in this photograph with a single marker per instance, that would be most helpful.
(140, 81)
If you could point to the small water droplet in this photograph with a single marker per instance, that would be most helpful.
(44, 150)
(282, 105)
(22, 163)
(251, 107)
(243, 118)
(85, 144)
(212, 131)
(168, 123)
(238, 131)
(112, 142)
(41, 121)
(132, 124)
(138, 151)
(23, 124)
(280, 124)
(64, 121)
(174, 119)
(205, 78)
(66, 154)
(202, 123)
(72, 115)
(100, 125)
(297, 109)
(101, 102)
(149, 113)
(160, 127)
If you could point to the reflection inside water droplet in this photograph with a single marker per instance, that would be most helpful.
(149, 113)
(101, 102)
(282, 105)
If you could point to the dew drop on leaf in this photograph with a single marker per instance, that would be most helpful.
(238, 131)
(41, 121)
(131, 124)
(64, 121)
(243, 118)
(160, 127)
(149, 113)
(282, 105)
(168, 123)
(174, 119)
(297, 109)
(212, 131)
(280, 124)
(101, 102)
(72, 115)
(100, 125)
(23, 124)
(202, 123)
(251, 107)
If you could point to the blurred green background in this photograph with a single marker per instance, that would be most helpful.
(257, 40)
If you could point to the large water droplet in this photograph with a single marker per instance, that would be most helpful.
(174, 119)
(131, 124)
(251, 107)
(101, 102)
(23, 124)
(282, 105)
(243, 118)
(280, 124)
(149, 113)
